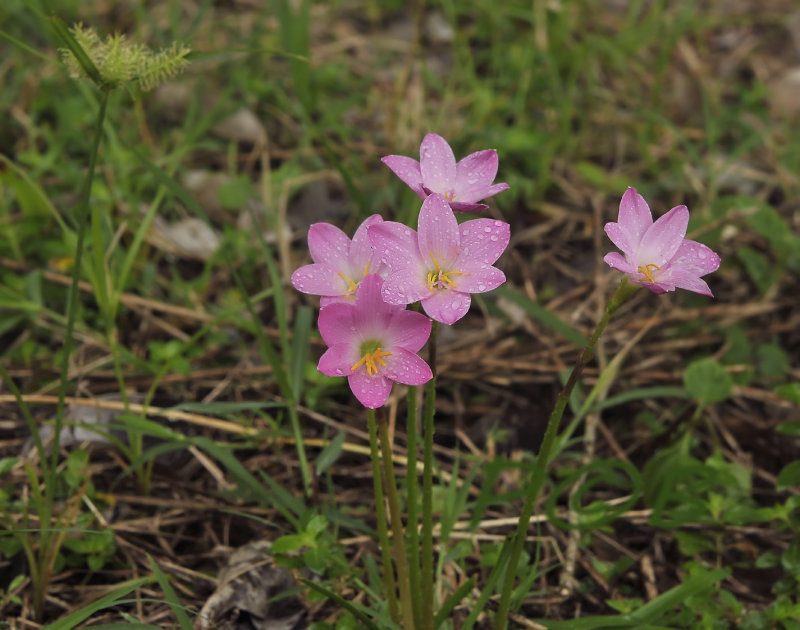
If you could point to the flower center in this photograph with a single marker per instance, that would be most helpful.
(647, 271)
(371, 356)
(352, 284)
(450, 195)
(439, 279)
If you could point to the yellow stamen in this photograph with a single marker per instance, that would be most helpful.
(450, 196)
(351, 286)
(372, 360)
(437, 278)
(647, 271)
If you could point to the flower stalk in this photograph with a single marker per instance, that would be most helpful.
(412, 511)
(397, 525)
(536, 480)
(380, 515)
(427, 486)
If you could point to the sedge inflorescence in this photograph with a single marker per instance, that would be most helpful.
(366, 283)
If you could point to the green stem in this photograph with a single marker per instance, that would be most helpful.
(427, 486)
(72, 298)
(537, 478)
(412, 491)
(397, 525)
(380, 515)
(49, 470)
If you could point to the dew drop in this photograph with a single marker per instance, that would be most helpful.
(493, 238)
(487, 229)
(481, 287)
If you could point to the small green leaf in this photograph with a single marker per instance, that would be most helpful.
(788, 428)
(7, 463)
(234, 194)
(790, 559)
(329, 454)
(789, 476)
(707, 381)
(773, 362)
(290, 542)
(317, 524)
(757, 267)
(691, 543)
(315, 559)
(790, 391)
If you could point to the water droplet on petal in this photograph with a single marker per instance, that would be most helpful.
(487, 229)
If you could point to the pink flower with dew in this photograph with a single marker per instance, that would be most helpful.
(462, 184)
(373, 343)
(657, 255)
(339, 263)
(442, 263)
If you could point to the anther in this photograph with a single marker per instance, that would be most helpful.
(647, 271)
(372, 360)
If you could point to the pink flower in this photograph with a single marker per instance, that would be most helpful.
(462, 184)
(373, 343)
(656, 254)
(339, 263)
(441, 264)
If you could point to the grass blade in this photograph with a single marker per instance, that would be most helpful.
(542, 315)
(113, 598)
(169, 594)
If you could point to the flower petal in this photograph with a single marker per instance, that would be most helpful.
(406, 286)
(371, 313)
(361, 250)
(407, 169)
(327, 300)
(483, 240)
(437, 164)
(662, 239)
(319, 279)
(438, 232)
(620, 238)
(371, 391)
(408, 330)
(619, 262)
(407, 368)
(634, 216)
(479, 279)
(695, 259)
(335, 324)
(338, 360)
(446, 306)
(474, 174)
(468, 207)
(692, 283)
(656, 287)
(328, 244)
(396, 245)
